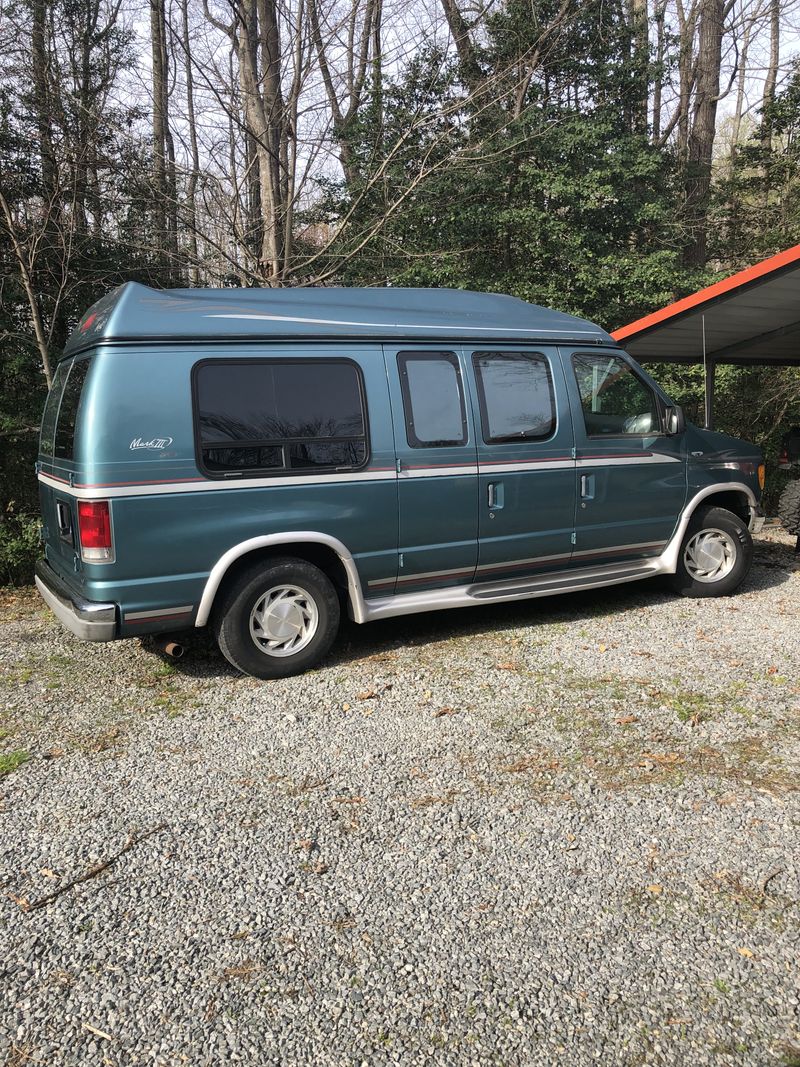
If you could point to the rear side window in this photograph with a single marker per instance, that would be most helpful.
(61, 419)
(69, 412)
(433, 399)
(48, 431)
(277, 416)
(515, 395)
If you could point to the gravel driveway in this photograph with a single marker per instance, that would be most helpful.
(557, 832)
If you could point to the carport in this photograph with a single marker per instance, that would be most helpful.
(751, 318)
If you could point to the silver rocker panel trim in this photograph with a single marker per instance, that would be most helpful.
(463, 596)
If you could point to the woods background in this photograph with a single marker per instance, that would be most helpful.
(602, 158)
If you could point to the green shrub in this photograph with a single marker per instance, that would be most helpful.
(20, 546)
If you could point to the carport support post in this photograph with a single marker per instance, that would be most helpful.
(710, 367)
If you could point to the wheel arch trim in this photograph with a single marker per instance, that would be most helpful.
(668, 561)
(307, 537)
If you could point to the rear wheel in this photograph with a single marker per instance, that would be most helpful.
(789, 508)
(277, 619)
(715, 555)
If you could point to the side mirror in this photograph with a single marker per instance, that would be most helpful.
(674, 420)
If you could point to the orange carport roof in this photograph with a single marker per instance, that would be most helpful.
(751, 317)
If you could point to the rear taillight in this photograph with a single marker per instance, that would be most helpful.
(94, 528)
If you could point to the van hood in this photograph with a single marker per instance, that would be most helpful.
(717, 446)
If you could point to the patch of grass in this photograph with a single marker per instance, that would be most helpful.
(11, 761)
(168, 703)
(722, 986)
(17, 675)
(164, 669)
(109, 740)
(790, 1056)
(691, 707)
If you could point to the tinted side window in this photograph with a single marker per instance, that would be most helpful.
(614, 399)
(69, 412)
(280, 415)
(515, 394)
(433, 399)
(48, 430)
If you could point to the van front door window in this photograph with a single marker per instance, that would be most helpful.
(614, 399)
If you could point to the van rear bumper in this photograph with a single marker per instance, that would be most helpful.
(88, 619)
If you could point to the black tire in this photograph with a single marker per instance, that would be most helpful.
(789, 508)
(730, 540)
(309, 601)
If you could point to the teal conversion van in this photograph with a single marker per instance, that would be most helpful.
(260, 461)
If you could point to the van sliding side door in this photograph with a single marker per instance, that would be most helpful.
(525, 459)
(436, 463)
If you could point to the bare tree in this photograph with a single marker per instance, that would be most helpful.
(194, 173)
(24, 256)
(700, 146)
(361, 53)
(164, 178)
(771, 79)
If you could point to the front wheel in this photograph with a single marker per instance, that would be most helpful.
(277, 618)
(715, 555)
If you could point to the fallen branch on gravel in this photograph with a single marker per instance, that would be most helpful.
(96, 1032)
(132, 842)
(765, 882)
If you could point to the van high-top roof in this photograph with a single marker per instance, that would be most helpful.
(135, 312)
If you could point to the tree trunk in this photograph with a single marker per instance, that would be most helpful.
(40, 59)
(658, 75)
(686, 75)
(701, 137)
(159, 123)
(736, 125)
(259, 112)
(771, 78)
(191, 190)
(641, 63)
(469, 66)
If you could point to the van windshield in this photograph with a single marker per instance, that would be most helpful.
(61, 412)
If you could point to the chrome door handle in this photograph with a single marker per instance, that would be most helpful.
(491, 495)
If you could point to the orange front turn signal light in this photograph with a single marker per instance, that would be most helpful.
(762, 476)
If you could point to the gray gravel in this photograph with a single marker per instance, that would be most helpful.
(560, 832)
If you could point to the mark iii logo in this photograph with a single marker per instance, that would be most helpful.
(156, 443)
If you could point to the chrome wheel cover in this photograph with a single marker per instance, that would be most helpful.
(710, 556)
(283, 620)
